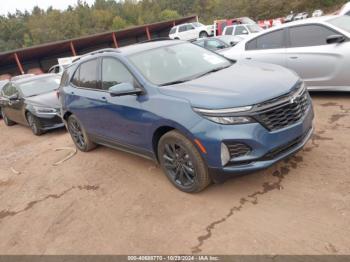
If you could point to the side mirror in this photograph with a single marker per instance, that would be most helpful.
(124, 89)
(13, 97)
(334, 39)
(244, 32)
(232, 43)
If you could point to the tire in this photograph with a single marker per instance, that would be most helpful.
(203, 34)
(79, 135)
(182, 163)
(0, 112)
(34, 124)
(7, 121)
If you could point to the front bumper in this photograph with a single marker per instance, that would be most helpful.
(267, 147)
(49, 122)
(220, 175)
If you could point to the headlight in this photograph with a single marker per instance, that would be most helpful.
(230, 120)
(226, 116)
(45, 110)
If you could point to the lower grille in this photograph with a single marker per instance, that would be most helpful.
(285, 115)
(284, 148)
(238, 149)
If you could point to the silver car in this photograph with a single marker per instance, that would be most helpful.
(317, 49)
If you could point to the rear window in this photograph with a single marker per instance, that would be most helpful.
(172, 31)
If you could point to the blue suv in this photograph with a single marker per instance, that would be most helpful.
(201, 116)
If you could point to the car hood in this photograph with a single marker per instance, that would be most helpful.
(46, 100)
(242, 84)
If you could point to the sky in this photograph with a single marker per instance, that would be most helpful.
(11, 5)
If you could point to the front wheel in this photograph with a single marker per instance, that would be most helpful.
(34, 124)
(78, 134)
(182, 163)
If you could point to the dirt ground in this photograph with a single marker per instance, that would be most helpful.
(111, 202)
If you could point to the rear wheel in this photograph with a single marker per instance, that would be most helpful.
(203, 34)
(34, 124)
(7, 121)
(79, 136)
(182, 163)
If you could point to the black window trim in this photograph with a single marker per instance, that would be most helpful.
(285, 36)
(136, 80)
(97, 73)
(288, 40)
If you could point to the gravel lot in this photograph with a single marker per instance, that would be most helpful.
(110, 202)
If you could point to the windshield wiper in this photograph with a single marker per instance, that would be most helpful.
(175, 82)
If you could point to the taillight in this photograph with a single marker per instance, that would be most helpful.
(58, 94)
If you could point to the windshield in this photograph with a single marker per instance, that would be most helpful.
(254, 28)
(197, 24)
(342, 22)
(39, 86)
(180, 62)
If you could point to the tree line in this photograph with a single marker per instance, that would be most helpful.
(24, 29)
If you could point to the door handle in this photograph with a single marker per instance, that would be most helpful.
(72, 93)
(293, 57)
(248, 58)
(103, 98)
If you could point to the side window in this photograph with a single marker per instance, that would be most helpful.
(182, 28)
(309, 35)
(271, 40)
(241, 30)
(114, 73)
(251, 45)
(348, 13)
(86, 75)
(190, 27)
(229, 30)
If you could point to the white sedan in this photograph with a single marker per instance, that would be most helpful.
(317, 49)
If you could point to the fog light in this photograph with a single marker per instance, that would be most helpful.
(225, 154)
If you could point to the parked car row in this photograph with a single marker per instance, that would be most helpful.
(317, 49)
(202, 116)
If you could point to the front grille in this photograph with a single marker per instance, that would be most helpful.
(238, 149)
(286, 113)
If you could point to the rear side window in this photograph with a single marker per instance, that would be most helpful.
(182, 28)
(114, 73)
(229, 30)
(86, 75)
(271, 40)
(309, 35)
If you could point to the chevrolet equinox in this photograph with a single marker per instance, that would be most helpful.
(202, 117)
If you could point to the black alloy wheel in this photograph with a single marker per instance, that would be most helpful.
(182, 163)
(78, 134)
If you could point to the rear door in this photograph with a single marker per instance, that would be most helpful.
(309, 55)
(86, 98)
(269, 48)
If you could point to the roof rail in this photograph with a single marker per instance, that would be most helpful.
(100, 51)
(156, 39)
